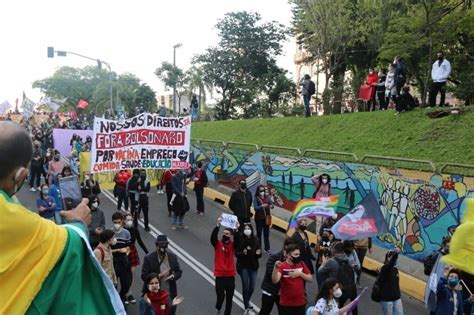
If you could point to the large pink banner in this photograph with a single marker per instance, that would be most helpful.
(62, 139)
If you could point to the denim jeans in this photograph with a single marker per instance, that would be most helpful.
(194, 113)
(264, 229)
(307, 111)
(248, 277)
(177, 219)
(392, 307)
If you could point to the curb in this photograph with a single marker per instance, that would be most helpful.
(410, 285)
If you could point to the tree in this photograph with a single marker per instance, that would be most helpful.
(247, 50)
(278, 90)
(146, 97)
(195, 81)
(172, 76)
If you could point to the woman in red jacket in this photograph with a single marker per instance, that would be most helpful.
(372, 80)
(155, 300)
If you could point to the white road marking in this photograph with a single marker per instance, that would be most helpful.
(202, 270)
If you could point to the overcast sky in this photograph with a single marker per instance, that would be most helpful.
(133, 36)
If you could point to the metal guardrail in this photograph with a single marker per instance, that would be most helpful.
(446, 169)
(398, 159)
(468, 170)
(311, 153)
(276, 149)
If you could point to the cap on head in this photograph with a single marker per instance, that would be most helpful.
(160, 239)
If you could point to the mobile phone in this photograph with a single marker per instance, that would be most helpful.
(70, 192)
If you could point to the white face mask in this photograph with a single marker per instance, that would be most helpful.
(325, 181)
(154, 288)
(117, 226)
(338, 293)
(247, 232)
(95, 205)
(129, 223)
(262, 194)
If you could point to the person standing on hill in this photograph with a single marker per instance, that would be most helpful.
(307, 90)
(439, 75)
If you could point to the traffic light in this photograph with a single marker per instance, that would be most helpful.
(50, 52)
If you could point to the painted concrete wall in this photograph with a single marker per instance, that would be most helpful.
(419, 207)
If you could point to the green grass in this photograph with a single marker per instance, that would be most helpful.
(409, 135)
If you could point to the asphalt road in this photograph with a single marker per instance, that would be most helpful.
(195, 255)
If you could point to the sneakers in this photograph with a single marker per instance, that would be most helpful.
(32, 189)
(173, 227)
(199, 213)
(182, 226)
(131, 299)
(147, 229)
(125, 301)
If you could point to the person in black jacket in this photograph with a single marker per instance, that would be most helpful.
(166, 265)
(132, 191)
(240, 203)
(143, 190)
(270, 290)
(248, 254)
(89, 186)
(389, 284)
(301, 238)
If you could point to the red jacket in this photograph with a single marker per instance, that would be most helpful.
(224, 264)
(167, 177)
(159, 302)
(121, 179)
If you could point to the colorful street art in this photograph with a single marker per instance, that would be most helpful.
(420, 208)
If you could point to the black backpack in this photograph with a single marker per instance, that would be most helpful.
(311, 88)
(429, 261)
(346, 277)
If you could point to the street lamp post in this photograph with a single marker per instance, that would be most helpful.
(174, 85)
(62, 53)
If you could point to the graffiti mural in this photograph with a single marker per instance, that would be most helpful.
(420, 208)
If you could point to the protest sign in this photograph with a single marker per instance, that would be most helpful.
(229, 221)
(365, 220)
(146, 141)
(62, 139)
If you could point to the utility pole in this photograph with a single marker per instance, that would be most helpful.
(174, 85)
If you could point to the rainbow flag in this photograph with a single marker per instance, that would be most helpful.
(311, 208)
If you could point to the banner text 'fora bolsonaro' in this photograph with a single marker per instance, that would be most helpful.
(146, 141)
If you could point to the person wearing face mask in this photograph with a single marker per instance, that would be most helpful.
(120, 252)
(301, 238)
(326, 301)
(90, 186)
(103, 253)
(352, 255)
(55, 166)
(143, 190)
(36, 167)
(164, 263)
(292, 274)
(389, 284)
(56, 260)
(132, 190)
(224, 265)
(440, 72)
(200, 182)
(133, 257)
(97, 225)
(46, 204)
(372, 81)
(262, 206)
(248, 254)
(180, 201)
(323, 248)
(240, 203)
(449, 298)
(322, 183)
(156, 300)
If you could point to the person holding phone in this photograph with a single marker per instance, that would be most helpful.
(46, 204)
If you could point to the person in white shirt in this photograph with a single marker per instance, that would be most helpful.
(326, 301)
(439, 74)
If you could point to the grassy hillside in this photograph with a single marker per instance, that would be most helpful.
(409, 135)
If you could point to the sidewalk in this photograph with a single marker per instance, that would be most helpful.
(412, 278)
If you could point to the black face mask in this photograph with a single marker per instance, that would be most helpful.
(243, 186)
(225, 238)
(162, 250)
(325, 238)
(302, 227)
(440, 58)
(295, 260)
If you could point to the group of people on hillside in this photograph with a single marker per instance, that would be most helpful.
(390, 86)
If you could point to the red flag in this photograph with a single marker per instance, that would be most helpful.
(82, 104)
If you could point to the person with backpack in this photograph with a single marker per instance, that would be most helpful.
(388, 282)
(200, 181)
(339, 268)
(292, 274)
(308, 89)
(103, 253)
